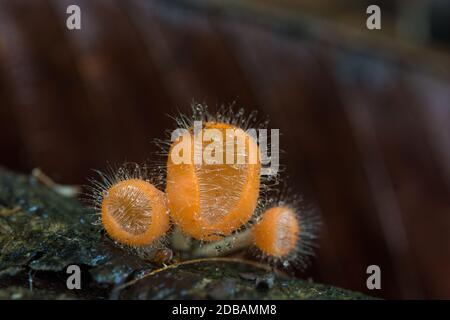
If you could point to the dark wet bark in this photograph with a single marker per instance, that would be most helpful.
(41, 233)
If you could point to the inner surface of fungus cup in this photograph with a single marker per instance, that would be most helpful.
(135, 213)
(277, 233)
(210, 201)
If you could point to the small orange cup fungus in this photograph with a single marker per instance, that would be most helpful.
(278, 232)
(134, 212)
(210, 200)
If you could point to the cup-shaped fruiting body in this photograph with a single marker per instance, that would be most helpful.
(134, 212)
(278, 232)
(286, 234)
(211, 198)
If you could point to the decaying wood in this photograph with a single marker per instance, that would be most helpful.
(42, 232)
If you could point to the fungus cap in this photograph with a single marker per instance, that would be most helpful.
(277, 232)
(209, 201)
(134, 212)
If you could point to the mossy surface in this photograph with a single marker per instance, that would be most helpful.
(41, 233)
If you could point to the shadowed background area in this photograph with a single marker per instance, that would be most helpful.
(364, 115)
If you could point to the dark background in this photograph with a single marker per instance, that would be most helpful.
(364, 115)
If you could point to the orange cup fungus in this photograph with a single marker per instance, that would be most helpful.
(278, 232)
(134, 212)
(212, 199)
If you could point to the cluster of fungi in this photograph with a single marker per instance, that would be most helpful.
(204, 209)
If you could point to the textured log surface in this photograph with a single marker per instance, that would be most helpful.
(41, 233)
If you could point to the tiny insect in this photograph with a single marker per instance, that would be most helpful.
(163, 256)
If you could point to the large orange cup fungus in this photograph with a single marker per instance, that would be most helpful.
(215, 190)
(135, 213)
